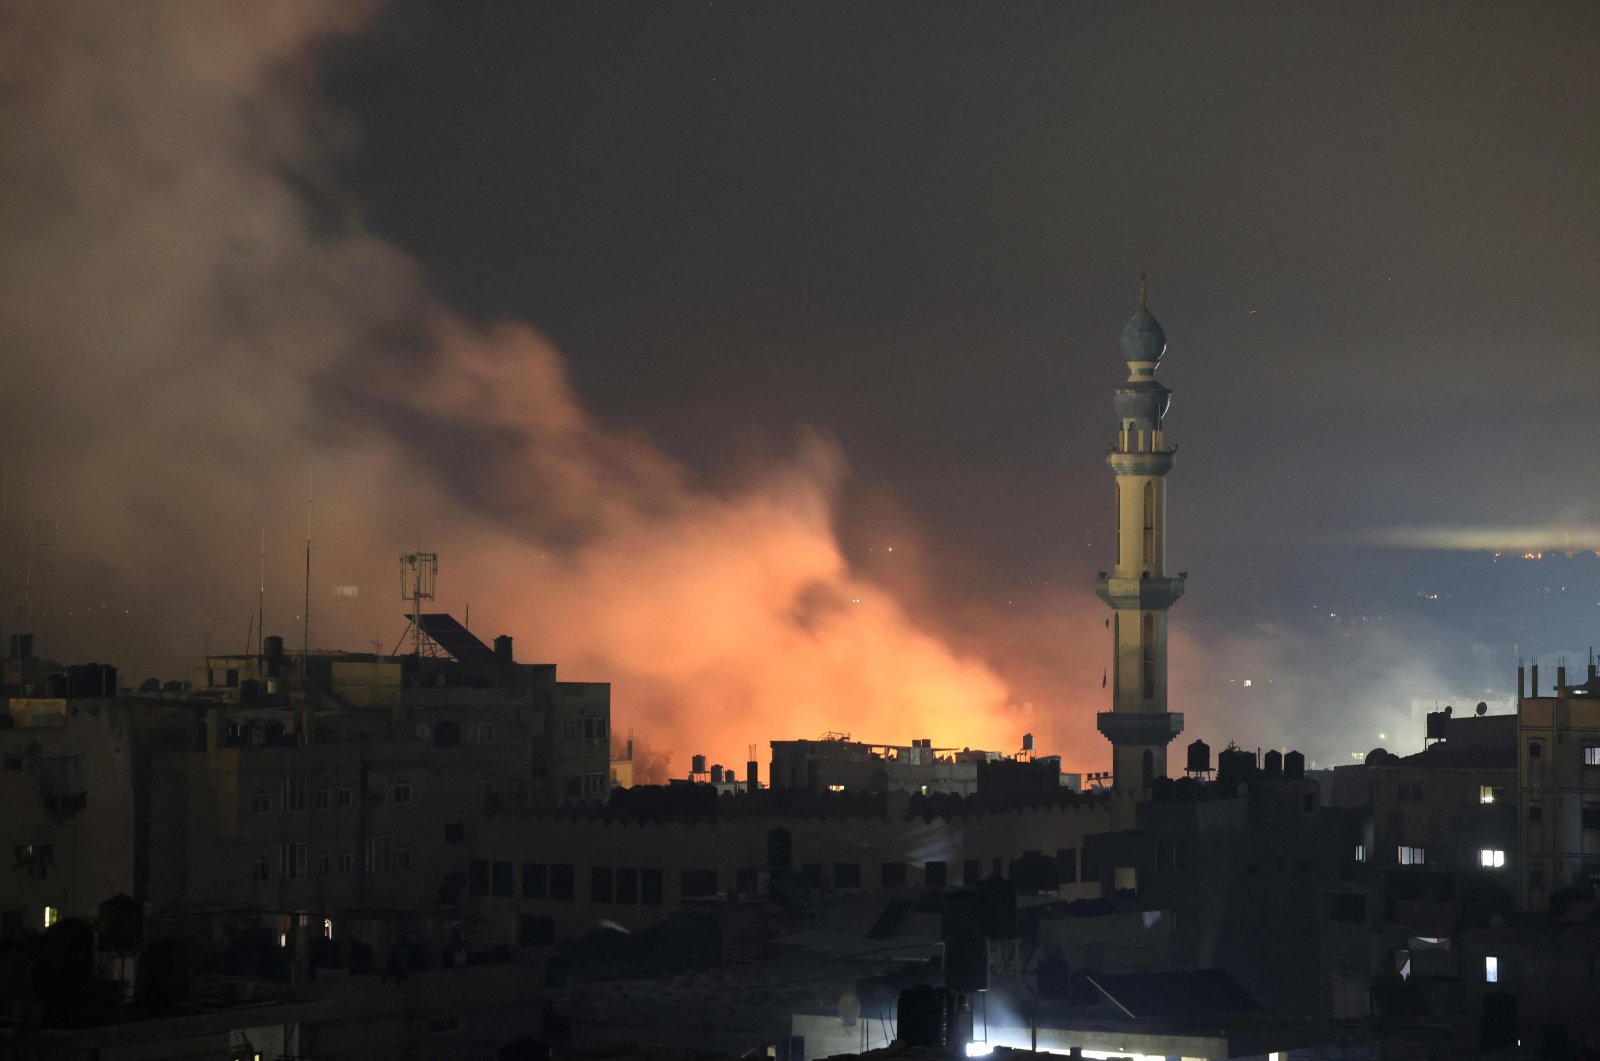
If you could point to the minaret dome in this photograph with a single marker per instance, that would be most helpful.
(1142, 337)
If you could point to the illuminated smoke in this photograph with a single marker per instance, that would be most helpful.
(1551, 537)
(194, 320)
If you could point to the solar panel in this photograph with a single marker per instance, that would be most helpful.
(443, 630)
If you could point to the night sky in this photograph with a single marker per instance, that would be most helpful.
(825, 279)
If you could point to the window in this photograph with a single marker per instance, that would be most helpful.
(1117, 508)
(347, 862)
(52, 914)
(1149, 523)
(594, 784)
(561, 882)
(454, 832)
(693, 883)
(1409, 793)
(480, 733)
(295, 861)
(1591, 816)
(847, 874)
(894, 874)
(1361, 852)
(1490, 858)
(1067, 864)
(380, 854)
(627, 886)
(324, 799)
(1591, 755)
(346, 796)
(574, 786)
(1148, 650)
(650, 887)
(1535, 813)
(261, 869)
(1491, 969)
(478, 877)
(261, 803)
(294, 794)
(569, 730)
(402, 792)
(935, 874)
(533, 880)
(600, 884)
(502, 880)
(322, 863)
(402, 858)
(1535, 749)
(1485, 793)
(594, 729)
(1410, 856)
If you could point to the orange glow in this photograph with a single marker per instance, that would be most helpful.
(721, 618)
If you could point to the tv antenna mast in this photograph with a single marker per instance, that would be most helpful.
(419, 572)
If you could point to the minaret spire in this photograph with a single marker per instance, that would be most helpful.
(1138, 589)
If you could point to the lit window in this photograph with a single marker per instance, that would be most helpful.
(1410, 856)
(835, 788)
(327, 928)
(1491, 969)
(51, 916)
(1489, 858)
(1591, 755)
(1361, 852)
(1485, 793)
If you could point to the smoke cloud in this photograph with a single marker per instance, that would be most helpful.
(204, 346)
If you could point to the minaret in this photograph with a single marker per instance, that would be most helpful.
(1138, 589)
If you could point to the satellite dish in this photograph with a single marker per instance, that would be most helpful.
(424, 731)
(1483, 708)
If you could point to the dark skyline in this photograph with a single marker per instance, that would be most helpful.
(913, 232)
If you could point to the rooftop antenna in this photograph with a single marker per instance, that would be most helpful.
(261, 601)
(418, 574)
(305, 615)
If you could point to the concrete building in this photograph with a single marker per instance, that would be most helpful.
(553, 874)
(342, 781)
(1558, 779)
(67, 770)
(1138, 589)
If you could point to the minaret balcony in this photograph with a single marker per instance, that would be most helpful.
(1146, 593)
(1139, 727)
(1136, 462)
